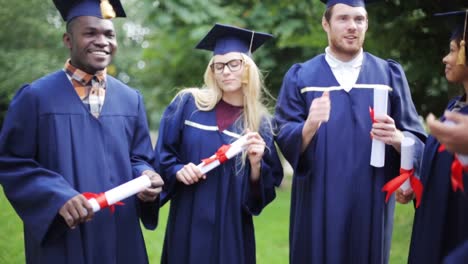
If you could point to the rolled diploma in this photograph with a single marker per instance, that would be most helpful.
(406, 160)
(123, 191)
(236, 147)
(380, 109)
(462, 158)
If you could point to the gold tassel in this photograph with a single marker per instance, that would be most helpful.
(107, 10)
(461, 59)
(246, 74)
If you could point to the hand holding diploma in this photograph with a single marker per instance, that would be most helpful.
(191, 173)
(77, 210)
(383, 130)
(379, 111)
(148, 186)
(150, 193)
(406, 185)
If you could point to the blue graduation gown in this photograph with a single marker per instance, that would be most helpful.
(440, 223)
(52, 148)
(338, 212)
(210, 221)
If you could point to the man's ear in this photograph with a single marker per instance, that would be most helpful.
(67, 40)
(325, 24)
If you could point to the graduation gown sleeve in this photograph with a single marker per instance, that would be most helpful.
(141, 160)
(458, 255)
(36, 193)
(260, 194)
(168, 148)
(289, 117)
(403, 111)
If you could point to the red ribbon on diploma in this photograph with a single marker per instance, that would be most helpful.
(457, 168)
(220, 155)
(372, 115)
(393, 185)
(101, 200)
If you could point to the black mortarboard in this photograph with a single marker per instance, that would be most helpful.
(348, 2)
(459, 20)
(70, 9)
(222, 39)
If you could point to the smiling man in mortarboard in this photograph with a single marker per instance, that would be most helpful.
(338, 209)
(79, 130)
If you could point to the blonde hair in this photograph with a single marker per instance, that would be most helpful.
(255, 114)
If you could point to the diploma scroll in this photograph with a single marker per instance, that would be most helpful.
(378, 147)
(406, 180)
(119, 193)
(224, 153)
(406, 160)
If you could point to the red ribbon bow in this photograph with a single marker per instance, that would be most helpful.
(391, 186)
(220, 155)
(101, 200)
(457, 168)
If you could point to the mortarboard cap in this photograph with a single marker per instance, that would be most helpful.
(459, 20)
(222, 39)
(106, 9)
(354, 3)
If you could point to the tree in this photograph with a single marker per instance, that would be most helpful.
(157, 39)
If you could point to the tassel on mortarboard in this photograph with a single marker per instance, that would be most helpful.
(107, 10)
(461, 59)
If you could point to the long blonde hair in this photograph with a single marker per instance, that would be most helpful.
(255, 114)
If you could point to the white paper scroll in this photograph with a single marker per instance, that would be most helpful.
(406, 161)
(122, 192)
(235, 148)
(380, 109)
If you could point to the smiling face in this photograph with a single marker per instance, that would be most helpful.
(229, 76)
(346, 30)
(92, 43)
(453, 72)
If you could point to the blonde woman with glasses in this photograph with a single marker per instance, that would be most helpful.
(210, 219)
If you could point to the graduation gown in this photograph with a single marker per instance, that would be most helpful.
(52, 148)
(440, 223)
(338, 211)
(210, 221)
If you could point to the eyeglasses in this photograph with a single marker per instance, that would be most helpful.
(233, 65)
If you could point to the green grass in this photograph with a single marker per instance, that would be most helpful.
(271, 233)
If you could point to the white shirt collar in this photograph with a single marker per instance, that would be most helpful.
(356, 62)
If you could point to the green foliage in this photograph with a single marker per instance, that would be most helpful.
(156, 43)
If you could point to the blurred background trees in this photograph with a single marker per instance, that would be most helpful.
(156, 43)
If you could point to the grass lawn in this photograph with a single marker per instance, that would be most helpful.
(271, 233)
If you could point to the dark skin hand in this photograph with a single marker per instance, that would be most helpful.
(150, 194)
(454, 136)
(78, 210)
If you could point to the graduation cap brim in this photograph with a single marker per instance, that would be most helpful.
(222, 39)
(354, 3)
(70, 9)
(459, 20)
(455, 20)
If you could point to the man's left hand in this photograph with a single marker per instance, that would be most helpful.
(384, 129)
(150, 194)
